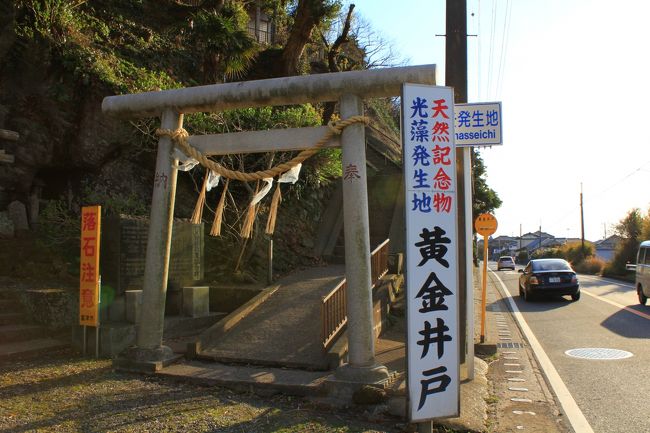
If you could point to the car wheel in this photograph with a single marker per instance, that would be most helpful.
(575, 296)
(642, 298)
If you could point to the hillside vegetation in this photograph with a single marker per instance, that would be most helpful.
(60, 58)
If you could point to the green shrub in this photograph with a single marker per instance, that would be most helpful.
(591, 265)
(522, 257)
(574, 253)
(58, 226)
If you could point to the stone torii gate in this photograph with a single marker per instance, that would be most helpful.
(349, 89)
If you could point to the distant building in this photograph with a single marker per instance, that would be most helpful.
(260, 25)
(606, 248)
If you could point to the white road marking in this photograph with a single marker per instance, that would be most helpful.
(616, 304)
(574, 414)
(607, 280)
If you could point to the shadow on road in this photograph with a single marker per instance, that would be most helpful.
(628, 324)
(541, 304)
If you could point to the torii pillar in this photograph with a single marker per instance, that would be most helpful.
(349, 88)
(361, 366)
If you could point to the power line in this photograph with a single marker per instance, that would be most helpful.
(597, 195)
(492, 32)
(640, 168)
(504, 47)
(478, 52)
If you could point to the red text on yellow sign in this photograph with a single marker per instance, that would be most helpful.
(89, 267)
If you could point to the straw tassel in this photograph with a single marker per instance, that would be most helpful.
(218, 213)
(247, 227)
(198, 209)
(273, 212)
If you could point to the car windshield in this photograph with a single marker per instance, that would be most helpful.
(551, 265)
(505, 259)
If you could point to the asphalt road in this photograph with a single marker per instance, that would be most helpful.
(613, 395)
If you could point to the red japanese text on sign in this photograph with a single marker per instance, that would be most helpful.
(89, 266)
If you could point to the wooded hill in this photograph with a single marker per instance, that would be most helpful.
(60, 58)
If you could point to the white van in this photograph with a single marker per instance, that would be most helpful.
(643, 272)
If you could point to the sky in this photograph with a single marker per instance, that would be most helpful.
(573, 77)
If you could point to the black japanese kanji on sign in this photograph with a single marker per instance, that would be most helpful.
(433, 295)
(436, 376)
(434, 336)
(432, 246)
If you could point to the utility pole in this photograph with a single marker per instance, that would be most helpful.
(582, 222)
(456, 77)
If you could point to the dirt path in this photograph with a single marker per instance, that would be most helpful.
(68, 394)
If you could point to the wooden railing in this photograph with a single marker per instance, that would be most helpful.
(379, 262)
(333, 314)
(333, 308)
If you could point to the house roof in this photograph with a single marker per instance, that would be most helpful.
(610, 242)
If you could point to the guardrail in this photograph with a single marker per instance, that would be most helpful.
(333, 308)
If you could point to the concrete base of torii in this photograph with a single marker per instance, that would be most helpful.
(374, 374)
(141, 360)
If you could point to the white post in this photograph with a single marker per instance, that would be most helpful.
(469, 262)
(156, 271)
(361, 365)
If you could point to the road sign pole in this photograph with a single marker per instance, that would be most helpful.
(486, 225)
(484, 287)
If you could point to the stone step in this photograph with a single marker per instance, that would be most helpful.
(10, 305)
(9, 294)
(13, 333)
(11, 318)
(30, 348)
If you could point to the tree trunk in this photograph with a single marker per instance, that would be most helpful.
(308, 14)
(328, 111)
(7, 33)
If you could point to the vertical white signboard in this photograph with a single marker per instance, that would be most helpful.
(431, 251)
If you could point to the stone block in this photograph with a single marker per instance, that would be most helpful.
(18, 215)
(196, 301)
(124, 248)
(6, 226)
(112, 308)
(53, 308)
(133, 305)
(173, 301)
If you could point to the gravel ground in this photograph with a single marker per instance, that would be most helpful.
(65, 393)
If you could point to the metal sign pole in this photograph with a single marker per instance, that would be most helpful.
(484, 287)
(83, 343)
(99, 308)
(486, 225)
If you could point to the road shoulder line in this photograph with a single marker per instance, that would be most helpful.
(573, 413)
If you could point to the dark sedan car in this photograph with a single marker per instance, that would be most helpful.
(548, 277)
